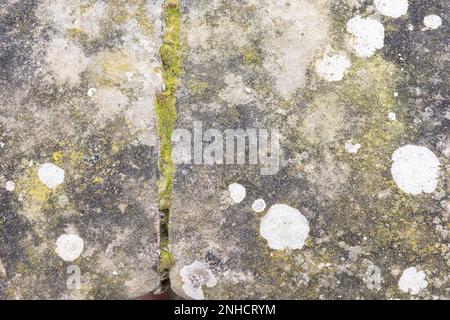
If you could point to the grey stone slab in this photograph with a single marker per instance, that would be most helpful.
(78, 148)
(359, 207)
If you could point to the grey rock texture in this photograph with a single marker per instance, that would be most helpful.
(342, 191)
(78, 148)
(344, 101)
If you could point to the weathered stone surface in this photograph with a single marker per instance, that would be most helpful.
(78, 149)
(337, 223)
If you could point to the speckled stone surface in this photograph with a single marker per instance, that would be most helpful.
(78, 149)
(254, 64)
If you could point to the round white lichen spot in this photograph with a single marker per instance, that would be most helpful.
(412, 281)
(51, 175)
(237, 192)
(392, 116)
(259, 205)
(392, 8)
(69, 247)
(10, 186)
(368, 35)
(284, 227)
(352, 148)
(91, 92)
(333, 67)
(415, 169)
(432, 21)
(194, 277)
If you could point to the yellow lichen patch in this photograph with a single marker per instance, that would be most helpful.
(114, 64)
(197, 88)
(123, 10)
(117, 11)
(144, 22)
(75, 32)
(57, 156)
(250, 56)
(369, 89)
(76, 156)
(35, 193)
(97, 180)
(279, 255)
(109, 69)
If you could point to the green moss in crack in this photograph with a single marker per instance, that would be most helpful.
(165, 101)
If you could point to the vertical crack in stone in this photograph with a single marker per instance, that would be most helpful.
(166, 115)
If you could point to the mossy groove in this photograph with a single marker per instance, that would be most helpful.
(166, 115)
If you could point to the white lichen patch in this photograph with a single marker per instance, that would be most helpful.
(285, 25)
(392, 116)
(70, 15)
(195, 276)
(259, 205)
(392, 8)
(69, 246)
(333, 67)
(372, 277)
(368, 35)
(412, 281)
(91, 92)
(234, 93)
(352, 148)
(110, 101)
(10, 186)
(66, 61)
(415, 169)
(140, 114)
(284, 227)
(432, 22)
(51, 175)
(237, 192)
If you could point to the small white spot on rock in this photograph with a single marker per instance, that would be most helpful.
(372, 277)
(415, 169)
(284, 227)
(392, 116)
(333, 67)
(259, 205)
(63, 200)
(69, 246)
(237, 192)
(91, 92)
(51, 175)
(368, 35)
(10, 186)
(2, 269)
(412, 281)
(392, 8)
(432, 22)
(194, 276)
(352, 148)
